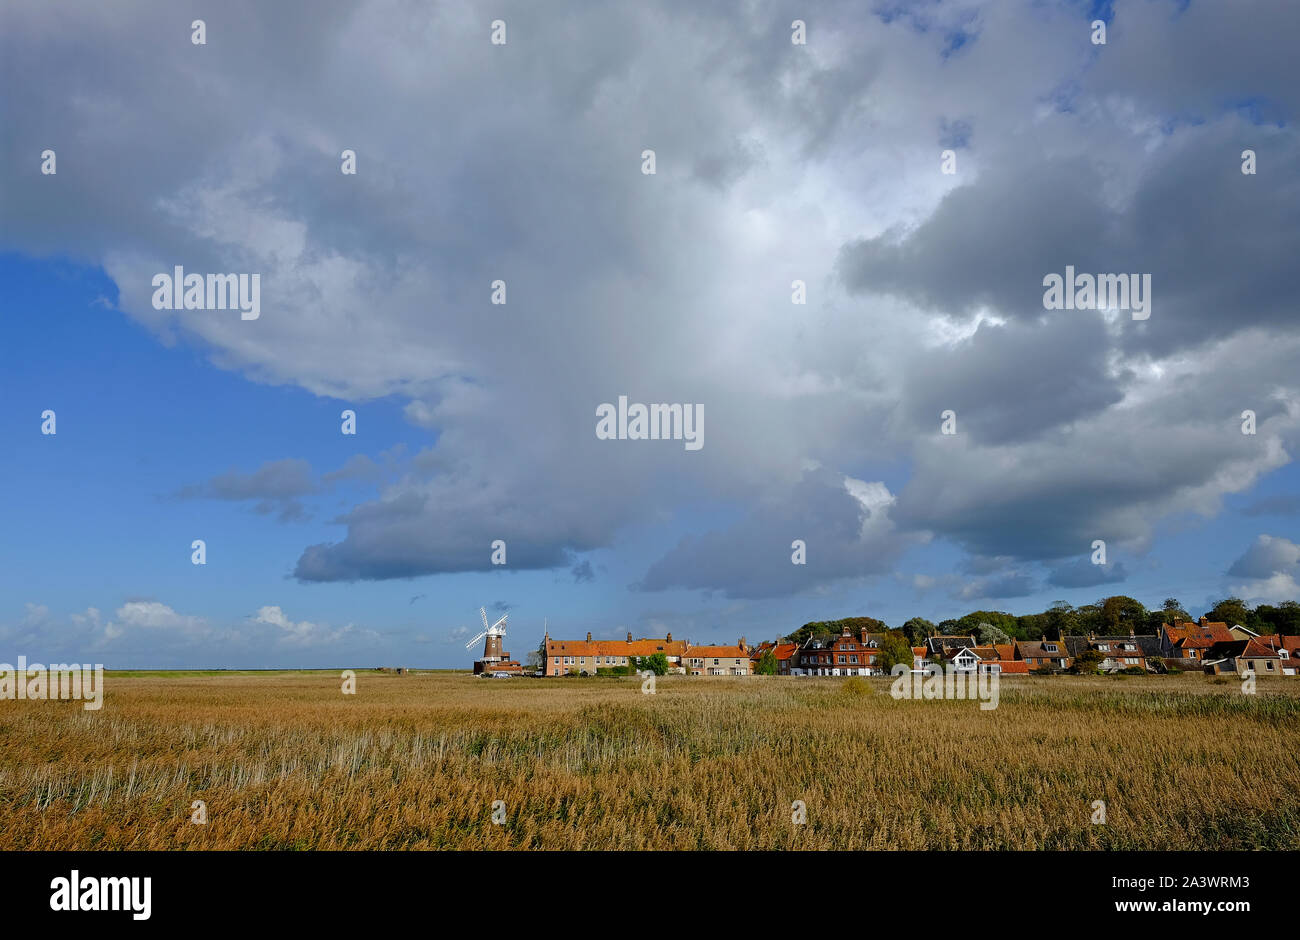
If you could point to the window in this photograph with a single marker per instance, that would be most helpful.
(1130, 646)
(853, 659)
(841, 657)
(1051, 647)
(557, 660)
(715, 662)
(1104, 647)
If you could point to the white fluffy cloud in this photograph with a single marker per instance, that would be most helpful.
(775, 163)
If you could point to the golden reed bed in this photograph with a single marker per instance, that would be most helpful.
(417, 761)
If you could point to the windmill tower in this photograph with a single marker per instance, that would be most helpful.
(495, 658)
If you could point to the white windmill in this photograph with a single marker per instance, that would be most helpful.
(492, 651)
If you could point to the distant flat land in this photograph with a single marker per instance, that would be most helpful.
(284, 760)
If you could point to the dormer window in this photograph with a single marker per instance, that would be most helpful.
(1104, 647)
(1053, 648)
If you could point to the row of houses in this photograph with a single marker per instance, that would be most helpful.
(587, 657)
(1206, 646)
(1210, 647)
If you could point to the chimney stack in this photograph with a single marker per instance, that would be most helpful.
(863, 636)
(669, 638)
(588, 636)
(741, 644)
(1203, 621)
(629, 636)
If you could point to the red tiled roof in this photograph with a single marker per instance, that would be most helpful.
(781, 651)
(615, 647)
(1289, 643)
(716, 652)
(1257, 650)
(1198, 636)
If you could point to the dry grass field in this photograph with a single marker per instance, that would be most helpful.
(415, 762)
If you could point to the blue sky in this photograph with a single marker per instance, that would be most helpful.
(475, 421)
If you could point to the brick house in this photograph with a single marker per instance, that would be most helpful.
(999, 657)
(786, 654)
(846, 655)
(1039, 654)
(1185, 644)
(578, 656)
(1118, 652)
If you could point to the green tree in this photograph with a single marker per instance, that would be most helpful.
(1174, 611)
(970, 624)
(1087, 663)
(655, 662)
(1062, 620)
(1088, 619)
(1230, 610)
(1283, 619)
(917, 629)
(766, 664)
(1121, 613)
(894, 648)
(988, 634)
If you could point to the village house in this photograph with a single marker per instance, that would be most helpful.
(719, 660)
(1118, 652)
(936, 646)
(845, 655)
(585, 657)
(785, 654)
(1288, 652)
(962, 658)
(999, 658)
(1261, 655)
(1185, 644)
(1043, 654)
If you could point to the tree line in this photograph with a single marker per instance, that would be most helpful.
(1115, 615)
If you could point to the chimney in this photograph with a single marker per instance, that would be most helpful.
(1203, 621)
(629, 636)
(863, 636)
(588, 636)
(741, 644)
(668, 638)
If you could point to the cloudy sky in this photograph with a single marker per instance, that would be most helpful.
(523, 162)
